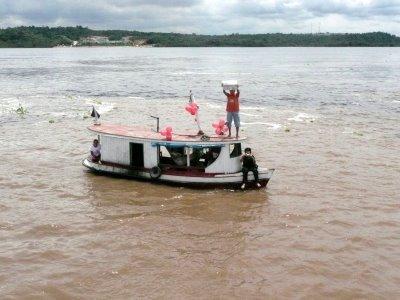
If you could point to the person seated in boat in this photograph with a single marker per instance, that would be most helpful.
(95, 151)
(178, 156)
(232, 110)
(249, 165)
(195, 157)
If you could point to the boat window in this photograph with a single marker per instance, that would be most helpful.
(235, 150)
(173, 156)
(199, 157)
(210, 155)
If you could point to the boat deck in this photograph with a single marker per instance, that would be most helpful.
(141, 132)
(188, 177)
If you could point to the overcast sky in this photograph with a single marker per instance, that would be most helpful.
(208, 16)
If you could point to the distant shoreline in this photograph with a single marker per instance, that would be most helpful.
(48, 37)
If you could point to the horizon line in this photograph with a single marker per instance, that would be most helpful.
(194, 33)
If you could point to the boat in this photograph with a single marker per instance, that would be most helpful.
(195, 160)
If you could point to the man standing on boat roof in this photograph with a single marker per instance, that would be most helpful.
(232, 109)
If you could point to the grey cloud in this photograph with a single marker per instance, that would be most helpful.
(161, 3)
(284, 8)
(347, 8)
(201, 16)
(100, 14)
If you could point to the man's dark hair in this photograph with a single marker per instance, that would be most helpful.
(247, 149)
(95, 140)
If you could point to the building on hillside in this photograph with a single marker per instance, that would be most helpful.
(138, 43)
(126, 39)
(95, 39)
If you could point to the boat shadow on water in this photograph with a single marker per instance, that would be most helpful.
(118, 198)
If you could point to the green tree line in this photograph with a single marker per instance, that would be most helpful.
(31, 36)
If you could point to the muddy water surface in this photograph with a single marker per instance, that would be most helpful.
(326, 226)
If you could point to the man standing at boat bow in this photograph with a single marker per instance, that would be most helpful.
(232, 110)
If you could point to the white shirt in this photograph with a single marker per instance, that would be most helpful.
(96, 150)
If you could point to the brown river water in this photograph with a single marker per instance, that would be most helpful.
(327, 226)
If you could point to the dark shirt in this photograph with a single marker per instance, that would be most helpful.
(249, 162)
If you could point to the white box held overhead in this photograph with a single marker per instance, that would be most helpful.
(230, 84)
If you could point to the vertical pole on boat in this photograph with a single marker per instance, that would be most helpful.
(197, 118)
(158, 123)
(187, 150)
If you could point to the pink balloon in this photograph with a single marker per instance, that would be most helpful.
(189, 109)
(192, 108)
(220, 127)
(167, 132)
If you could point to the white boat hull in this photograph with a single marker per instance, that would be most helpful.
(233, 179)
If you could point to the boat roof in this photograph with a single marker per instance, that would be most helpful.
(146, 133)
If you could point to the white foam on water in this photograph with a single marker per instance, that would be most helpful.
(348, 131)
(193, 73)
(251, 115)
(211, 105)
(136, 98)
(101, 107)
(105, 107)
(238, 73)
(352, 132)
(302, 117)
(10, 105)
(252, 108)
(273, 126)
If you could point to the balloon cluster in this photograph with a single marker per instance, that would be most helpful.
(220, 127)
(167, 132)
(192, 108)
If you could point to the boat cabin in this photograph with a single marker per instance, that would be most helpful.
(141, 148)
